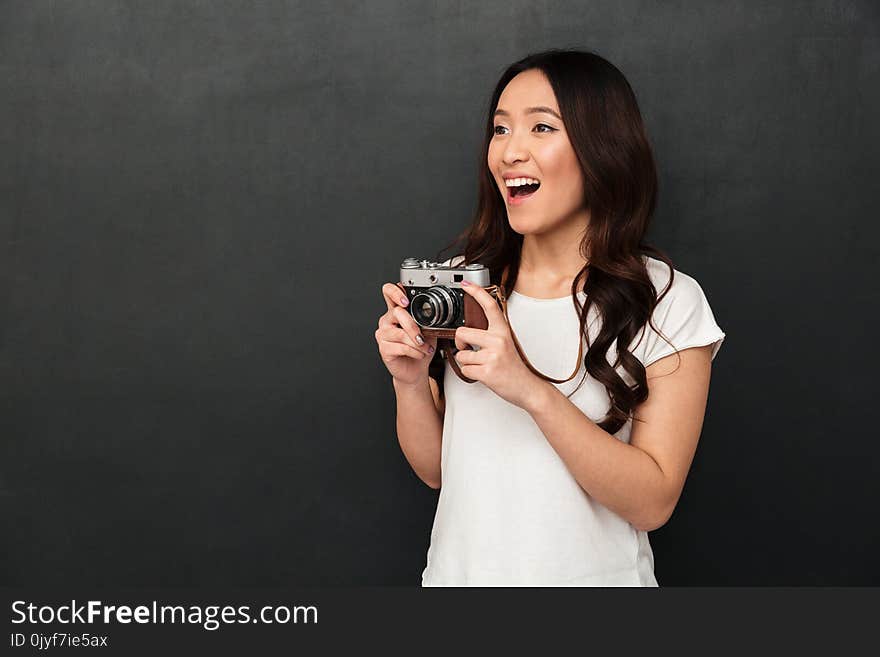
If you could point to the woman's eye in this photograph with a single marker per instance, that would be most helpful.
(499, 129)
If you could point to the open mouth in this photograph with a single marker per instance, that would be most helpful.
(519, 189)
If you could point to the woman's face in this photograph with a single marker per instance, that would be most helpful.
(530, 141)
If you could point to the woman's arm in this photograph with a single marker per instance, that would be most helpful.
(640, 481)
(408, 355)
(420, 427)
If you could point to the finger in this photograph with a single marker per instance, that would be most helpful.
(469, 357)
(394, 334)
(466, 337)
(397, 334)
(394, 296)
(396, 349)
(408, 324)
(390, 319)
(487, 303)
(474, 372)
(387, 320)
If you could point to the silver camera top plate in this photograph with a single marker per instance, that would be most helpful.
(424, 273)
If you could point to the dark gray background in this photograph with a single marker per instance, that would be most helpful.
(199, 202)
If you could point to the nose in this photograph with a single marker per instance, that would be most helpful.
(514, 150)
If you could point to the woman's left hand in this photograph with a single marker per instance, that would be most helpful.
(497, 364)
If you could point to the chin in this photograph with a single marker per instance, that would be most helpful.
(519, 227)
(526, 227)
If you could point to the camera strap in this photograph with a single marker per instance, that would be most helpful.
(502, 300)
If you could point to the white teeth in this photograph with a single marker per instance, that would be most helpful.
(518, 182)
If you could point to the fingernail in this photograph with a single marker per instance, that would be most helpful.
(420, 339)
(465, 282)
(404, 301)
(430, 349)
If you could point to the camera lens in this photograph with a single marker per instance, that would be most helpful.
(435, 307)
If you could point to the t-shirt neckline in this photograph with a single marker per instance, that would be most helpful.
(513, 293)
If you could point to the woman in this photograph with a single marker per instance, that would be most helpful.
(543, 482)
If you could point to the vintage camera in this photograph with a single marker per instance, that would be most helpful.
(436, 300)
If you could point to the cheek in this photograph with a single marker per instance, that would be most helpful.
(560, 162)
(492, 158)
(561, 168)
(493, 162)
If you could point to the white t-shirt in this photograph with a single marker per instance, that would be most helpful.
(510, 513)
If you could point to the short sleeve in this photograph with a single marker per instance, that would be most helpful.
(684, 316)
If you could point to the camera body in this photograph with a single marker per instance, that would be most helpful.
(436, 299)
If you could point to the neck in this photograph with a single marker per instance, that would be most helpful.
(555, 256)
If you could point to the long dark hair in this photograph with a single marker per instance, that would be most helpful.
(602, 118)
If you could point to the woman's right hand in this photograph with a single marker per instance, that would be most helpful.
(398, 338)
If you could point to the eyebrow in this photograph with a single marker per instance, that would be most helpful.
(531, 110)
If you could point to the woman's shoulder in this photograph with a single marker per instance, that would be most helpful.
(683, 285)
(683, 315)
